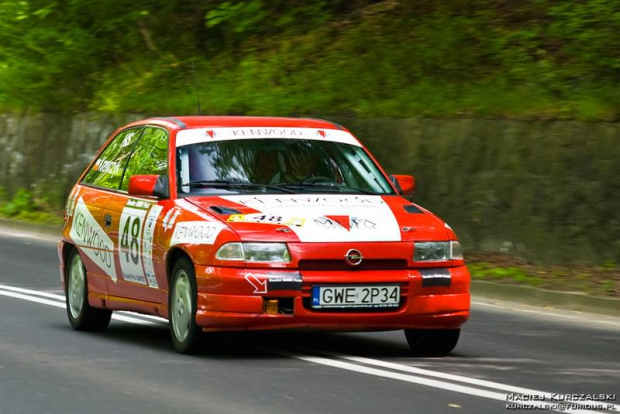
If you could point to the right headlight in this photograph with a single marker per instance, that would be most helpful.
(255, 252)
(437, 251)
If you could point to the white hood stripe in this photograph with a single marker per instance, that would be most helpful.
(328, 218)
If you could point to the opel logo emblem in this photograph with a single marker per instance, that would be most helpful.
(353, 257)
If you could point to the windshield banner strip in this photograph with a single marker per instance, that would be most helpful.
(192, 136)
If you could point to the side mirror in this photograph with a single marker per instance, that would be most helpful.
(148, 185)
(405, 184)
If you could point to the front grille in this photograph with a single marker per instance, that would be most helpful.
(367, 264)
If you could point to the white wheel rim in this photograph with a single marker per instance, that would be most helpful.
(181, 306)
(76, 286)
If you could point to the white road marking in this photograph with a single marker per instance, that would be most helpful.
(33, 292)
(332, 361)
(562, 315)
(32, 299)
(62, 298)
(422, 380)
(11, 293)
(30, 234)
(458, 378)
(401, 377)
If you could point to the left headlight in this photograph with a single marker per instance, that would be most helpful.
(437, 251)
(254, 252)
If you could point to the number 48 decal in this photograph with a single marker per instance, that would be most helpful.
(135, 247)
(130, 239)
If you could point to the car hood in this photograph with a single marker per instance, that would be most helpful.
(323, 217)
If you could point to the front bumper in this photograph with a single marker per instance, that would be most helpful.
(237, 299)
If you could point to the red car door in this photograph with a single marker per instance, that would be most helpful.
(134, 230)
(90, 221)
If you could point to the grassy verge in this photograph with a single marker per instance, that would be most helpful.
(24, 206)
(602, 280)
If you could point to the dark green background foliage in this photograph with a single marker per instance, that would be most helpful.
(545, 191)
(452, 58)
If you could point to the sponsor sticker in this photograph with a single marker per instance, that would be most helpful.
(436, 277)
(346, 222)
(266, 219)
(132, 221)
(171, 217)
(196, 232)
(92, 239)
(147, 244)
(71, 201)
(274, 282)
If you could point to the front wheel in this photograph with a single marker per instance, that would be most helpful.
(186, 335)
(82, 316)
(432, 342)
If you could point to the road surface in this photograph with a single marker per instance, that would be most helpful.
(521, 354)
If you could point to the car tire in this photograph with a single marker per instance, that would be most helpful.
(432, 342)
(182, 298)
(82, 316)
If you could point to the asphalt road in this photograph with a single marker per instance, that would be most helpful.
(46, 367)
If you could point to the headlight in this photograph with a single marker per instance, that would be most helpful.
(255, 252)
(437, 251)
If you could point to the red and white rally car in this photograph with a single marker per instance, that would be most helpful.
(249, 223)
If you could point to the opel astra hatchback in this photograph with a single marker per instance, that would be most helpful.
(251, 223)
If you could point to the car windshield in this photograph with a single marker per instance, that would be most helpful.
(277, 166)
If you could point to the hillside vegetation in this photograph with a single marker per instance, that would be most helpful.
(544, 59)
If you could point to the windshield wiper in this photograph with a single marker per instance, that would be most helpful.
(234, 184)
(326, 186)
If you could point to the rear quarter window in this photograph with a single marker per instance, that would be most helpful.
(107, 171)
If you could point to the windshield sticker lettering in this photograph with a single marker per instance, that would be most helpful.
(196, 232)
(147, 244)
(302, 200)
(90, 236)
(128, 139)
(194, 135)
(130, 237)
(267, 132)
(266, 219)
(107, 167)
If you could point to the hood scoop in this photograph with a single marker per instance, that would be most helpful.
(413, 209)
(224, 210)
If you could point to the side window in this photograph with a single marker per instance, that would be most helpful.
(150, 155)
(107, 171)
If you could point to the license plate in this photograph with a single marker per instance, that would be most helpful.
(374, 296)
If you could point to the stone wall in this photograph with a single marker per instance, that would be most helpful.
(546, 191)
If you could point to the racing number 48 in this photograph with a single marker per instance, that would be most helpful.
(129, 239)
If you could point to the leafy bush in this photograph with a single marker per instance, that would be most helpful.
(23, 206)
(454, 58)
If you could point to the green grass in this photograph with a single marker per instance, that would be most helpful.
(593, 280)
(23, 206)
(489, 272)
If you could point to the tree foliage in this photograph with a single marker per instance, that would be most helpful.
(533, 58)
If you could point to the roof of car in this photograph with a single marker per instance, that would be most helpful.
(184, 122)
